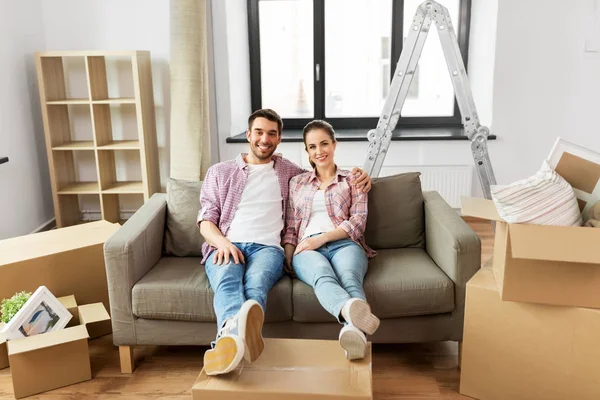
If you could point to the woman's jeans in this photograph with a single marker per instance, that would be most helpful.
(233, 283)
(335, 270)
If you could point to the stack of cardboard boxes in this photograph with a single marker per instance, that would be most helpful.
(68, 261)
(532, 317)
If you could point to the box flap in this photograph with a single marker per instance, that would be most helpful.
(68, 301)
(55, 241)
(557, 243)
(479, 208)
(484, 278)
(47, 339)
(90, 313)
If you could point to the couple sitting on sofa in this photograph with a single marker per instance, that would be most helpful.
(244, 205)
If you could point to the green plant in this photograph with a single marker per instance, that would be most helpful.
(11, 306)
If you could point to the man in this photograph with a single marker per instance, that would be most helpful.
(243, 204)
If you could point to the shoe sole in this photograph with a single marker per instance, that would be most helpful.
(354, 345)
(225, 357)
(251, 330)
(362, 318)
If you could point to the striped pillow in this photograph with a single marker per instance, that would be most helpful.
(543, 199)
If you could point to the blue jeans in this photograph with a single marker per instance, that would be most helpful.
(336, 272)
(233, 283)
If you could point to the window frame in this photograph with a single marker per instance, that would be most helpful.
(464, 22)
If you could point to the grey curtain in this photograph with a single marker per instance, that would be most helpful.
(190, 146)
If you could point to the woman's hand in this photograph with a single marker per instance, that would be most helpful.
(363, 180)
(311, 243)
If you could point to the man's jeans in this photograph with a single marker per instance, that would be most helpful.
(233, 283)
(336, 271)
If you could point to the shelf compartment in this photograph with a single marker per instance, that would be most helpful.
(119, 207)
(72, 207)
(69, 123)
(120, 172)
(75, 172)
(64, 79)
(115, 123)
(111, 78)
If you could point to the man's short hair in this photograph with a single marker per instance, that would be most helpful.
(268, 114)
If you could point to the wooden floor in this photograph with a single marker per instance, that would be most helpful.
(411, 371)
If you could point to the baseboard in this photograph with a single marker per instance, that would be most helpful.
(48, 225)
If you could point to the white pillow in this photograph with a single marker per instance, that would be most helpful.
(546, 198)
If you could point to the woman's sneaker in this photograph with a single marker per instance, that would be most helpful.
(250, 322)
(353, 341)
(357, 312)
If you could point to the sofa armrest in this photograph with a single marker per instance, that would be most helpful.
(452, 245)
(129, 254)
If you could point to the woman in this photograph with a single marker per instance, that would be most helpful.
(324, 240)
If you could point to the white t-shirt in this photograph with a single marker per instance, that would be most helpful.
(259, 217)
(319, 221)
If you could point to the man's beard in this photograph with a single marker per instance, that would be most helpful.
(262, 156)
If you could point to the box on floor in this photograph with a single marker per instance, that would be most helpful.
(67, 261)
(557, 265)
(292, 369)
(55, 359)
(522, 351)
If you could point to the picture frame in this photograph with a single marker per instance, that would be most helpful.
(580, 167)
(42, 313)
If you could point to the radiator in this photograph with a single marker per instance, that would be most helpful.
(451, 181)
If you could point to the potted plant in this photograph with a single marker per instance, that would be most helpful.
(10, 307)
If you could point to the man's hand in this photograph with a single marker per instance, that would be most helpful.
(287, 263)
(311, 243)
(224, 250)
(363, 180)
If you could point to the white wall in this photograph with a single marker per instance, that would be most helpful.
(545, 84)
(25, 194)
(119, 25)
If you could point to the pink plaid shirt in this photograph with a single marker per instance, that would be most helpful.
(345, 204)
(222, 190)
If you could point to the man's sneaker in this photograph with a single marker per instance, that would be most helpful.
(357, 312)
(250, 322)
(225, 356)
(353, 341)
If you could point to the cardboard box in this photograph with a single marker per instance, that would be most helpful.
(48, 361)
(292, 369)
(93, 316)
(3, 349)
(71, 305)
(557, 265)
(68, 261)
(521, 351)
(51, 360)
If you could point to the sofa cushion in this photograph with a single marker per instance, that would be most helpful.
(182, 236)
(396, 217)
(399, 283)
(178, 289)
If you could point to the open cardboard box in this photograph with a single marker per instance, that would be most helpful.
(557, 265)
(523, 351)
(56, 359)
(67, 261)
(292, 369)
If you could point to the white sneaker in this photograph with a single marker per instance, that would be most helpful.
(250, 321)
(357, 312)
(353, 341)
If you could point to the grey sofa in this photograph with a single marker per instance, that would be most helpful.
(160, 295)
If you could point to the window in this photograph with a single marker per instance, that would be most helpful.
(334, 60)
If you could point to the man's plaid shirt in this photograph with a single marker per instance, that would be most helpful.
(222, 190)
